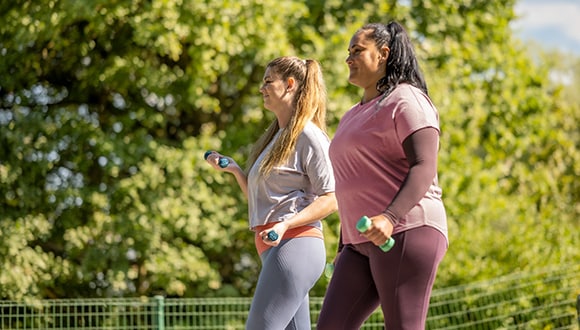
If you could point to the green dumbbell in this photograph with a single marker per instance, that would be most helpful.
(364, 223)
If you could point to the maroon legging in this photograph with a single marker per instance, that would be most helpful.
(400, 280)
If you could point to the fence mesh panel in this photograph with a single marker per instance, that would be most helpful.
(547, 299)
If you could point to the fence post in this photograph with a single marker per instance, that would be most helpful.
(160, 315)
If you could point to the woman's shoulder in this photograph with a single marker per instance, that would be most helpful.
(311, 128)
(311, 132)
(406, 90)
(408, 94)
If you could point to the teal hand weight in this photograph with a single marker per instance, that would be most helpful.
(272, 235)
(364, 223)
(328, 270)
(222, 162)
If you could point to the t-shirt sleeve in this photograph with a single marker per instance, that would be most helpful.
(414, 111)
(313, 145)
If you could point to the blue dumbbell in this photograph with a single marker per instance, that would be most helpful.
(223, 162)
(272, 235)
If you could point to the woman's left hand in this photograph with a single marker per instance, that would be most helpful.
(280, 228)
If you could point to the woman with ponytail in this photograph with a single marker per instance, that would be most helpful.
(384, 155)
(289, 184)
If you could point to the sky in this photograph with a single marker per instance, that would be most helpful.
(555, 24)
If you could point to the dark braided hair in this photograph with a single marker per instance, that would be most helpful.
(402, 65)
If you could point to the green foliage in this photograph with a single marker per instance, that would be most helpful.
(106, 108)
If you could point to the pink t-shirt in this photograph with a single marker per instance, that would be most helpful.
(370, 164)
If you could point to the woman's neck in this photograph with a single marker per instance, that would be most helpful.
(369, 95)
(283, 118)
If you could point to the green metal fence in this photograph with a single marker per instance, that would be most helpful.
(542, 300)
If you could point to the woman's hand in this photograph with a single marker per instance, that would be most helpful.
(214, 160)
(380, 230)
(279, 228)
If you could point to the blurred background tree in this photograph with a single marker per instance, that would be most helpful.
(106, 109)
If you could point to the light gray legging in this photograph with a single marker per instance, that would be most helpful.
(288, 273)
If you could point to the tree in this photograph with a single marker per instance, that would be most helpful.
(106, 109)
(95, 96)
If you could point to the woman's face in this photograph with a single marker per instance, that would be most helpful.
(274, 91)
(367, 64)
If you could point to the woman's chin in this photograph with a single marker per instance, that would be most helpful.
(352, 80)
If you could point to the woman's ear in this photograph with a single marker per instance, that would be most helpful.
(385, 51)
(290, 83)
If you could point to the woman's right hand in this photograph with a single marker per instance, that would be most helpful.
(213, 159)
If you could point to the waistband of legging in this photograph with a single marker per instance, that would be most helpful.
(302, 231)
